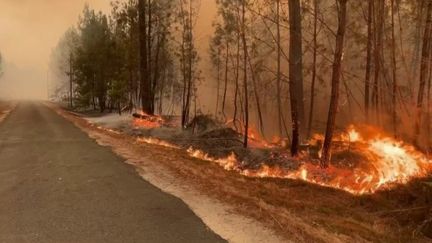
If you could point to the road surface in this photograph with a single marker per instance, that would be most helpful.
(58, 185)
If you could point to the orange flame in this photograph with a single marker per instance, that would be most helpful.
(255, 138)
(156, 141)
(385, 161)
(149, 121)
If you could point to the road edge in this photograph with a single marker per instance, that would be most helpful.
(216, 215)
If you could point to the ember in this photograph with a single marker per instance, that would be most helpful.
(143, 120)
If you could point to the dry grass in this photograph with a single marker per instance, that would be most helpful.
(297, 210)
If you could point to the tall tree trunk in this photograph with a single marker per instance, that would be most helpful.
(150, 55)
(218, 79)
(245, 77)
(394, 83)
(334, 99)
(278, 74)
(156, 67)
(93, 96)
(183, 67)
(296, 75)
(189, 70)
(190, 66)
(417, 44)
(314, 62)
(257, 98)
(237, 75)
(368, 57)
(379, 25)
(424, 65)
(145, 83)
(161, 93)
(70, 80)
(226, 78)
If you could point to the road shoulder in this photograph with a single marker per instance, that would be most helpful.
(220, 217)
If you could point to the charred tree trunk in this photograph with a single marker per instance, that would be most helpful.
(314, 63)
(156, 67)
(70, 80)
(218, 79)
(394, 83)
(150, 53)
(145, 83)
(296, 75)
(188, 61)
(245, 77)
(257, 99)
(379, 25)
(334, 100)
(417, 44)
(236, 91)
(183, 69)
(93, 97)
(278, 74)
(226, 79)
(423, 71)
(161, 93)
(190, 64)
(368, 57)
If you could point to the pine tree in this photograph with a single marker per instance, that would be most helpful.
(296, 76)
(337, 68)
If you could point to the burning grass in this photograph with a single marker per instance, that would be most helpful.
(380, 162)
(303, 212)
(141, 119)
(362, 163)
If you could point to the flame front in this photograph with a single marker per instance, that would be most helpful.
(385, 161)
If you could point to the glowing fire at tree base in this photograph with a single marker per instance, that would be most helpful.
(384, 161)
(387, 161)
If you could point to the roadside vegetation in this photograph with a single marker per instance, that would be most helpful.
(294, 209)
(336, 93)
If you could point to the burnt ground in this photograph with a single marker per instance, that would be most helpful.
(299, 210)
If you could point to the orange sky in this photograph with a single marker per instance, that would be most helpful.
(29, 29)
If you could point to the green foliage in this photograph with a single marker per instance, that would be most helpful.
(95, 65)
(102, 56)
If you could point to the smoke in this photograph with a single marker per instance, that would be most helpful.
(29, 30)
(22, 83)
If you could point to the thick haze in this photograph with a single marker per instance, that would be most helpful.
(30, 29)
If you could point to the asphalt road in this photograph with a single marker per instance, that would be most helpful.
(58, 185)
